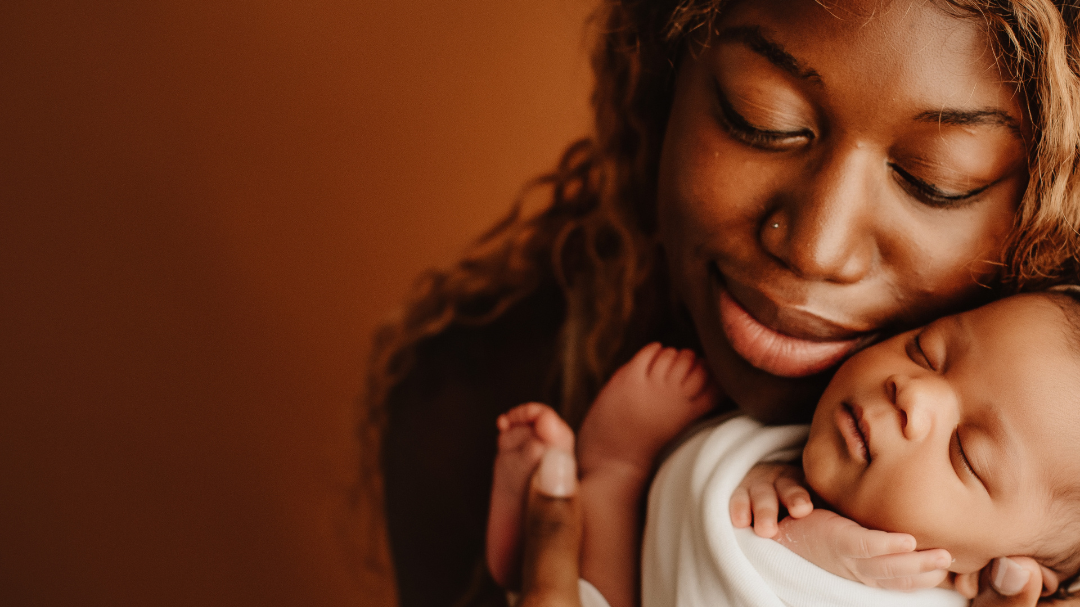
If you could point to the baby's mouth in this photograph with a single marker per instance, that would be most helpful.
(852, 428)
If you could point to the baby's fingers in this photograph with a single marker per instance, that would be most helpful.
(854, 541)
(794, 496)
(766, 507)
(739, 506)
(929, 579)
(904, 571)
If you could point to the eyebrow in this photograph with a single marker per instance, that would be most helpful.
(756, 40)
(983, 117)
(753, 38)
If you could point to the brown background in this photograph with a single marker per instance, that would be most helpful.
(205, 209)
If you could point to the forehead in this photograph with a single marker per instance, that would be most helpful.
(1019, 359)
(911, 51)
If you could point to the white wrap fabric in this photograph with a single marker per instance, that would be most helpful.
(693, 556)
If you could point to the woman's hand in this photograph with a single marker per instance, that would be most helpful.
(1013, 582)
(551, 543)
(874, 558)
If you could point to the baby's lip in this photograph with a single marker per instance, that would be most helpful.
(855, 430)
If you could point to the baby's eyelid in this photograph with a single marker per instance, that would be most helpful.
(966, 463)
(921, 353)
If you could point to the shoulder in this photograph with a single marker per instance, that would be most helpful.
(469, 374)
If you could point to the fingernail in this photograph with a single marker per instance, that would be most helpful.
(557, 474)
(1007, 577)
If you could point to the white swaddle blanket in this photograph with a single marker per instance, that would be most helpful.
(693, 556)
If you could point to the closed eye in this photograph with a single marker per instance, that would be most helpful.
(754, 136)
(961, 456)
(931, 195)
(916, 353)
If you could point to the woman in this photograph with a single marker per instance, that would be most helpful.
(776, 183)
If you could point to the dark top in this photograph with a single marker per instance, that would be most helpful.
(440, 444)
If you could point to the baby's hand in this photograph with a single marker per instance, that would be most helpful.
(875, 558)
(758, 497)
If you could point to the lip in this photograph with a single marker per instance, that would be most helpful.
(855, 431)
(820, 344)
(789, 319)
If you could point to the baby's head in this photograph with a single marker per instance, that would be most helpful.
(964, 433)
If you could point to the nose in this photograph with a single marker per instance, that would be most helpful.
(922, 402)
(821, 226)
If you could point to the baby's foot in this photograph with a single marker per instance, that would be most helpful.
(645, 405)
(526, 432)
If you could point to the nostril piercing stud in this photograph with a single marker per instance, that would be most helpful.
(776, 225)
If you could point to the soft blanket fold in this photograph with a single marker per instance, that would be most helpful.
(693, 556)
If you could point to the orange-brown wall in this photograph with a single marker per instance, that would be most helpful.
(205, 209)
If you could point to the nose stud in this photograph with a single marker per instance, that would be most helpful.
(775, 225)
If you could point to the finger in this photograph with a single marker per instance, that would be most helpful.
(903, 565)
(552, 538)
(794, 496)
(1010, 582)
(929, 579)
(740, 508)
(855, 541)
(766, 509)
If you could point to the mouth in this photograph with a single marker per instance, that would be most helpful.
(853, 428)
(816, 345)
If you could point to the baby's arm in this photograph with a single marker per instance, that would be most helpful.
(646, 404)
(828, 540)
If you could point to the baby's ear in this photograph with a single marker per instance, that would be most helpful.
(967, 584)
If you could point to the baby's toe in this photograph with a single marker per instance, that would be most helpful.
(554, 432)
(662, 364)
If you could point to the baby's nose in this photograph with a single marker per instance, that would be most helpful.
(916, 401)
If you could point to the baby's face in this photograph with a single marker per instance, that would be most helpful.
(961, 433)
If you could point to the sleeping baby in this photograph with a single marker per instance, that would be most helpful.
(958, 439)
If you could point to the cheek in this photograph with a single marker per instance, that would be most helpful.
(942, 252)
(710, 187)
(910, 500)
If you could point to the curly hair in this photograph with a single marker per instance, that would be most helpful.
(595, 234)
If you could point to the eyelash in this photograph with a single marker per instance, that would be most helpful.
(964, 459)
(918, 346)
(741, 129)
(931, 195)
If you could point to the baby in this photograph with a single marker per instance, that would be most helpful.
(962, 435)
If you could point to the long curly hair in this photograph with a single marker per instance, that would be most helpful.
(594, 231)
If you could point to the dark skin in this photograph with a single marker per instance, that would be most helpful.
(841, 171)
(827, 127)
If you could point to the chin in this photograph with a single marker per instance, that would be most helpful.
(767, 398)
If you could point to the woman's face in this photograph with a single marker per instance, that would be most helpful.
(830, 172)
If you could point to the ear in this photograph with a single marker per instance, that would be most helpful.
(967, 584)
(1050, 580)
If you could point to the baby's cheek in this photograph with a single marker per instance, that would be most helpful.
(892, 507)
(823, 474)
